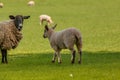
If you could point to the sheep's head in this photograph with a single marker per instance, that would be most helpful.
(18, 20)
(48, 31)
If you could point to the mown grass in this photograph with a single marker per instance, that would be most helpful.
(97, 20)
(99, 23)
(100, 66)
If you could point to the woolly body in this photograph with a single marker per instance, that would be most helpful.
(9, 35)
(45, 17)
(31, 3)
(64, 39)
(1, 5)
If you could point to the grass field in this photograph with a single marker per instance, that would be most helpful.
(99, 23)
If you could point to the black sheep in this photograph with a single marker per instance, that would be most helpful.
(10, 34)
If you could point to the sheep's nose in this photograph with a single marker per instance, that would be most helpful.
(19, 29)
(20, 25)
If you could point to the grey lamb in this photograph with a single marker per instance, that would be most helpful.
(64, 39)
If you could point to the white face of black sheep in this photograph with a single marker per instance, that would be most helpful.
(18, 20)
(47, 30)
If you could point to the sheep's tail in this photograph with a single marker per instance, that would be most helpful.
(78, 42)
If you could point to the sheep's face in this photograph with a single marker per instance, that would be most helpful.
(18, 20)
(48, 31)
(45, 35)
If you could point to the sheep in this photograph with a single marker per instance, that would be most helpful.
(46, 18)
(31, 3)
(10, 34)
(65, 39)
(1, 5)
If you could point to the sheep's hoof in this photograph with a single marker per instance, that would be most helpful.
(53, 61)
(79, 62)
(72, 62)
(60, 62)
(4, 62)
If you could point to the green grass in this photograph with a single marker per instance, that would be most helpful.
(100, 66)
(99, 23)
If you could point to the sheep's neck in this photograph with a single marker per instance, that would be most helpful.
(50, 34)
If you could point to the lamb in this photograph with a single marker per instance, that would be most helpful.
(46, 18)
(10, 34)
(1, 5)
(64, 39)
(31, 3)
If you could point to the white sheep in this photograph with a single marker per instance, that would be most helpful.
(65, 39)
(31, 3)
(1, 5)
(10, 34)
(46, 18)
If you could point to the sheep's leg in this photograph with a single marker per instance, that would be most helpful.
(73, 56)
(48, 23)
(80, 53)
(6, 61)
(4, 56)
(59, 57)
(80, 59)
(57, 54)
(54, 57)
(42, 22)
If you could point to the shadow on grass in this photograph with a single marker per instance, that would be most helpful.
(101, 57)
(42, 61)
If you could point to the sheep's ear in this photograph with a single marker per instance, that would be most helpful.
(26, 17)
(54, 26)
(11, 17)
(46, 27)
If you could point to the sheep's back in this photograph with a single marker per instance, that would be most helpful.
(66, 37)
(69, 34)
